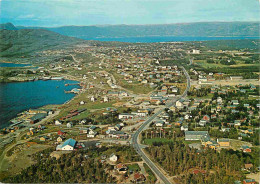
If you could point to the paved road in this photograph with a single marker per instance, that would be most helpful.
(136, 141)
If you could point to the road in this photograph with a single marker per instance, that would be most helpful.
(135, 137)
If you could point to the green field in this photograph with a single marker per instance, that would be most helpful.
(135, 87)
(134, 167)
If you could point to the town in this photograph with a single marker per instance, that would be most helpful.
(175, 106)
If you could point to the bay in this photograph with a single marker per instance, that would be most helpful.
(20, 96)
(13, 65)
(151, 39)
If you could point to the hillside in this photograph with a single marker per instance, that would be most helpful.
(15, 43)
(251, 44)
(8, 26)
(202, 29)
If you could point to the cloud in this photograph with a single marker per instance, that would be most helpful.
(28, 16)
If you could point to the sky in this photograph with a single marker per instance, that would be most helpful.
(53, 13)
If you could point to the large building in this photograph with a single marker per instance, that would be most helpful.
(67, 145)
(195, 135)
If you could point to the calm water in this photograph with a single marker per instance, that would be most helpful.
(150, 39)
(20, 96)
(13, 65)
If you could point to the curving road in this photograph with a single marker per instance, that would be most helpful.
(136, 141)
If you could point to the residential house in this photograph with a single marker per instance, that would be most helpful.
(81, 102)
(223, 142)
(61, 132)
(202, 122)
(57, 122)
(60, 139)
(206, 118)
(248, 131)
(121, 168)
(248, 166)
(249, 181)
(83, 130)
(139, 177)
(179, 105)
(91, 133)
(234, 102)
(106, 99)
(246, 149)
(125, 116)
(43, 138)
(184, 128)
(68, 145)
(252, 87)
(219, 100)
(117, 134)
(159, 123)
(69, 124)
(118, 127)
(113, 157)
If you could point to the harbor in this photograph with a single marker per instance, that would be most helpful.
(22, 96)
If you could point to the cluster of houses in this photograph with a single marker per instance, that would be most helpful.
(114, 132)
(91, 133)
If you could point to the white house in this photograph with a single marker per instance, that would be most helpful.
(174, 90)
(91, 133)
(106, 99)
(125, 116)
(219, 100)
(202, 122)
(68, 145)
(83, 121)
(195, 51)
(57, 122)
(186, 116)
(113, 157)
(81, 102)
(140, 114)
(69, 124)
(179, 105)
(184, 128)
(92, 99)
(159, 123)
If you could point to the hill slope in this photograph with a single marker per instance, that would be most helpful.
(202, 29)
(28, 41)
(8, 26)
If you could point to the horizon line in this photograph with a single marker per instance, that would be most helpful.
(134, 24)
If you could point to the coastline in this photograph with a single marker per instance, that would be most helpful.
(9, 124)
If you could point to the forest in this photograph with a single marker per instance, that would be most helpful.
(74, 167)
(179, 159)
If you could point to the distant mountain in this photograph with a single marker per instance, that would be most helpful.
(8, 26)
(202, 29)
(15, 43)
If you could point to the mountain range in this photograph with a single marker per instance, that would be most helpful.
(202, 29)
(15, 43)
